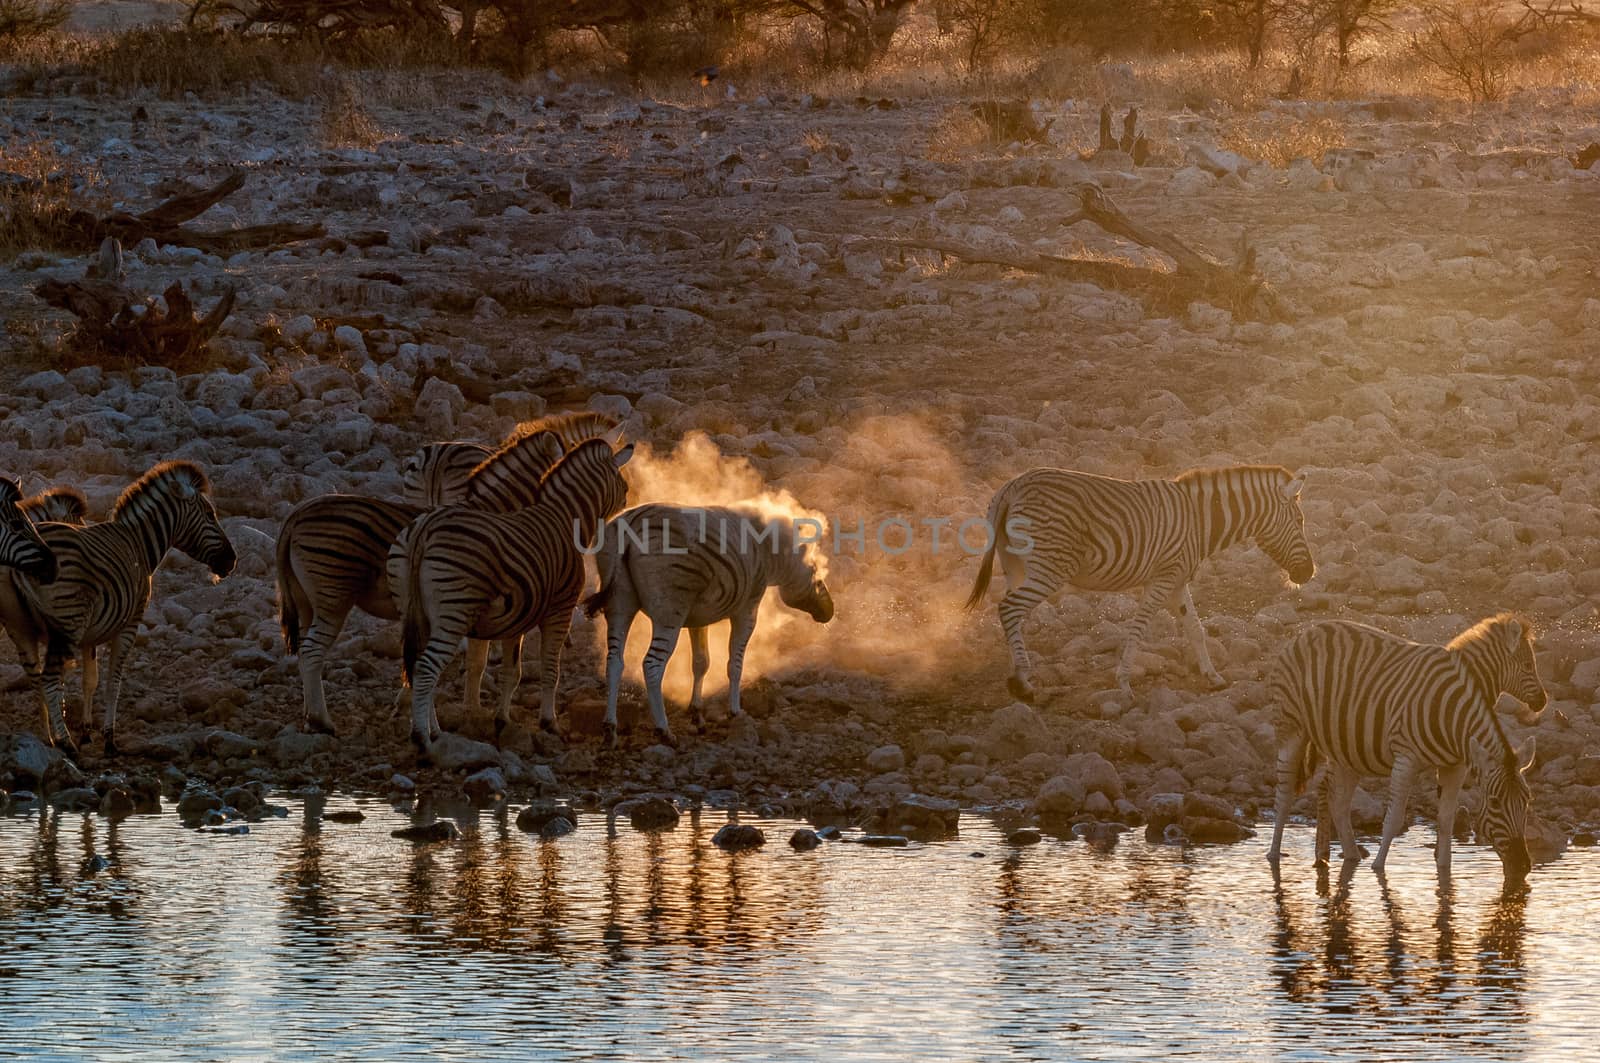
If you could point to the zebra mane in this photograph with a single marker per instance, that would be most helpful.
(68, 499)
(1213, 471)
(160, 481)
(571, 428)
(583, 449)
(516, 444)
(1485, 628)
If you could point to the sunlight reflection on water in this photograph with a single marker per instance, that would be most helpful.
(308, 939)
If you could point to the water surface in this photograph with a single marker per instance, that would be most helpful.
(308, 940)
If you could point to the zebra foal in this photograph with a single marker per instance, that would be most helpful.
(21, 548)
(692, 567)
(472, 573)
(1365, 702)
(104, 585)
(1051, 527)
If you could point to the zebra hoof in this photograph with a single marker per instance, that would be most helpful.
(549, 727)
(110, 744)
(499, 729)
(611, 736)
(1216, 681)
(1020, 689)
(665, 737)
(319, 727)
(422, 744)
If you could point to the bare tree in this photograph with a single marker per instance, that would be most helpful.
(1347, 21)
(1470, 41)
(865, 28)
(982, 24)
(1248, 21)
(22, 19)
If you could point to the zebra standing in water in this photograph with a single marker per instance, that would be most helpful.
(692, 567)
(104, 585)
(1052, 527)
(437, 474)
(60, 505)
(1370, 703)
(476, 574)
(21, 548)
(332, 550)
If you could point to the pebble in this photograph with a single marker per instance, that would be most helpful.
(440, 830)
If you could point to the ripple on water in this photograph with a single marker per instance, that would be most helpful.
(308, 939)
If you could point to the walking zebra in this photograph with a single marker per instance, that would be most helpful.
(1056, 526)
(437, 474)
(477, 574)
(62, 505)
(104, 586)
(1370, 703)
(692, 567)
(21, 548)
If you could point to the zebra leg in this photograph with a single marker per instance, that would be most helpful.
(618, 621)
(700, 649)
(89, 666)
(51, 695)
(663, 640)
(1196, 633)
(1289, 757)
(552, 640)
(1341, 788)
(318, 638)
(117, 657)
(1019, 601)
(477, 661)
(1450, 780)
(1324, 843)
(1157, 594)
(744, 625)
(436, 656)
(1395, 818)
(510, 675)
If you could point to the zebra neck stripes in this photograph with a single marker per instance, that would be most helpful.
(1226, 503)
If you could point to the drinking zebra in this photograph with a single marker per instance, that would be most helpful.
(62, 505)
(1051, 527)
(1369, 703)
(692, 567)
(476, 574)
(104, 585)
(21, 548)
(437, 474)
(332, 551)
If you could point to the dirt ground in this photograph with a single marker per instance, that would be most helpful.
(707, 265)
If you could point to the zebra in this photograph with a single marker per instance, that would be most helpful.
(105, 583)
(437, 474)
(1051, 527)
(21, 548)
(1365, 702)
(692, 567)
(332, 550)
(471, 573)
(60, 505)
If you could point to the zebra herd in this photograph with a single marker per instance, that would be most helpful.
(489, 545)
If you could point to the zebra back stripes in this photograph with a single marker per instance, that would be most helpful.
(692, 567)
(21, 547)
(105, 581)
(1367, 703)
(1052, 527)
(439, 473)
(481, 575)
(60, 505)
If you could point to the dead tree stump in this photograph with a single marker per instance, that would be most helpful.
(117, 323)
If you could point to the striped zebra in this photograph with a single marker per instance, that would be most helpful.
(332, 550)
(60, 505)
(1363, 702)
(692, 567)
(105, 583)
(437, 474)
(21, 548)
(1052, 527)
(476, 574)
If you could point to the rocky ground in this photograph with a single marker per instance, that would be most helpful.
(702, 267)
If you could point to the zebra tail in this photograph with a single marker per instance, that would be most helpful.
(986, 567)
(415, 634)
(289, 594)
(607, 561)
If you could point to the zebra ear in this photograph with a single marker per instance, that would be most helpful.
(613, 436)
(1292, 489)
(1523, 758)
(620, 458)
(1513, 634)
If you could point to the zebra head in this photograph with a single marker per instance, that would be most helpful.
(20, 545)
(1522, 680)
(195, 529)
(1503, 820)
(1279, 528)
(801, 586)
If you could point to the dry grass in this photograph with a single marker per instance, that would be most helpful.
(345, 122)
(1281, 139)
(41, 189)
(957, 135)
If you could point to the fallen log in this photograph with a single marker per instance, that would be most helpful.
(79, 230)
(117, 323)
(1238, 288)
